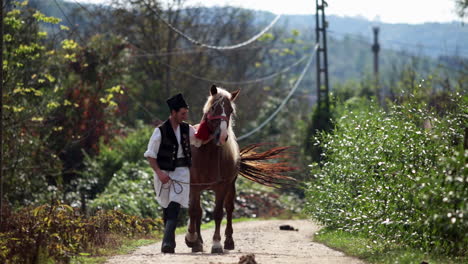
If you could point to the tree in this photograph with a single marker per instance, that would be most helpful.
(92, 89)
(462, 6)
(29, 164)
(60, 101)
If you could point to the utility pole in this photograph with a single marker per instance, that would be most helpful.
(323, 101)
(321, 115)
(375, 50)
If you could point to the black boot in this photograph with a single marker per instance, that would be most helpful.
(170, 219)
(169, 244)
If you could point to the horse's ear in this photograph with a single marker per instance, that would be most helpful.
(213, 90)
(234, 95)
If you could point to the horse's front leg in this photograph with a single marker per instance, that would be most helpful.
(229, 205)
(193, 238)
(198, 225)
(218, 217)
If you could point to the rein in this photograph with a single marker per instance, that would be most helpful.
(173, 182)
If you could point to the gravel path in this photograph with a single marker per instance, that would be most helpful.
(261, 238)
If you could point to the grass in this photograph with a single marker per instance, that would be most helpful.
(377, 252)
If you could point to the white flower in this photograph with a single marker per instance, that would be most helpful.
(387, 222)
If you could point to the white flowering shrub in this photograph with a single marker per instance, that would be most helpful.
(399, 176)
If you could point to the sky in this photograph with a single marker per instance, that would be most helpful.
(387, 11)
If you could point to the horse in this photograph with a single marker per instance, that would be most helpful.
(216, 165)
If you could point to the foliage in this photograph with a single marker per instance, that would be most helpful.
(376, 251)
(119, 177)
(255, 201)
(60, 100)
(28, 164)
(399, 176)
(91, 99)
(121, 157)
(130, 190)
(58, 232)
(462, 5)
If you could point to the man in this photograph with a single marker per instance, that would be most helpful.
(169, 155)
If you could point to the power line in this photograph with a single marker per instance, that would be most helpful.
(283, 103)
(183, 51)
(141, 105)
(199, 43)
(248, 81)
(68, 20)
(196, 51)
(284, 70)
(84, 8)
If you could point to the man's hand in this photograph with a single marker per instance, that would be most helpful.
(163, 177)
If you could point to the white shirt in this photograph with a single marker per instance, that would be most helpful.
(178, 188)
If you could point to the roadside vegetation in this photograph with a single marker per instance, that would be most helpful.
(395, 178)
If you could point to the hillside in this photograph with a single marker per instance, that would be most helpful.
(431, 39)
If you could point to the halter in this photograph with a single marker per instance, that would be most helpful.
(217, 117)
(211, 117)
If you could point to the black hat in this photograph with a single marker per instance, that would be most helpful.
(176, 102)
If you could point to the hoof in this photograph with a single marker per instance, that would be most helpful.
(190, 244)
(229, 245)
(216, 250)
(197, 248)
(193, 241)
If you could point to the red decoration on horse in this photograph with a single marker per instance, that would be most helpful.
(203, 131)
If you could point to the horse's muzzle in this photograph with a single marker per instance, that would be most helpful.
(219, 140)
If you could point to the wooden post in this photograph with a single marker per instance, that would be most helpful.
(375, 49)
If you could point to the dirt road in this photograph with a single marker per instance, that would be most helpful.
(264, 239)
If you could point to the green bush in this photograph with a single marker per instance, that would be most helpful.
(100, 169)
(130, 190)
(399, 176)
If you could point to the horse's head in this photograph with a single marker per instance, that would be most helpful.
(217, 113)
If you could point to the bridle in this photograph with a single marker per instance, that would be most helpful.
(214, 117)
(211, 117)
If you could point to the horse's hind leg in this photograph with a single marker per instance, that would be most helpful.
(218, 216)
(229, 205)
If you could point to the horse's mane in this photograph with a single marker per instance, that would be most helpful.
(231, 147)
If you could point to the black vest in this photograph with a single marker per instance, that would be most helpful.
(167, 154)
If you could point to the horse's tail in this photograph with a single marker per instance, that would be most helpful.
(253, 166)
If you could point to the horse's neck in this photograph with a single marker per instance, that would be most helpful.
(222, 150)
(211, 146)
